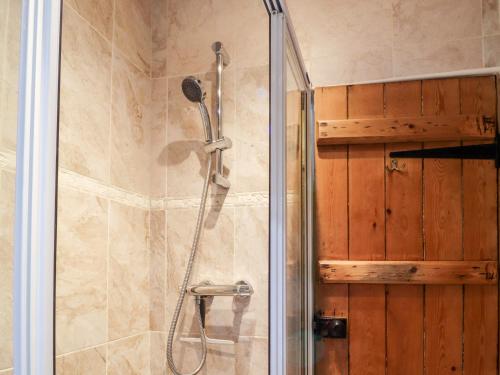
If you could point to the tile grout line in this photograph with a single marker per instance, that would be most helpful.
(108, 253)
(104, 344)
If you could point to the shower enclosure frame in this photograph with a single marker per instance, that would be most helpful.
(283, 43)
(36, 181)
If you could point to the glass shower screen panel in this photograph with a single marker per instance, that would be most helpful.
(294, 222)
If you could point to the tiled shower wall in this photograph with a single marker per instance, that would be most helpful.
(104, 239)
(234, 243)
(355, 41)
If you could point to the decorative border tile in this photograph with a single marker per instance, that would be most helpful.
(89, 185)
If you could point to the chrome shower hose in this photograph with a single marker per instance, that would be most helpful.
(187, 276)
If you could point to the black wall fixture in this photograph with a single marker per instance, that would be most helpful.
(329, 327)
(488, 151)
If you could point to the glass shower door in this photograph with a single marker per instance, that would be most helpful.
(290, 201)
(295, 230)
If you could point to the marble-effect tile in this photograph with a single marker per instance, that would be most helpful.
(85, 98)
(7, 183)
(128, 285)
(130, 127)
(433, 57)
(10, 20)
(159, 24)
(252, 131)
(132, 32)
(157, 269)
(492, 50)
(158, 148)
(422, 21)
(491, 17)
(129, 356)
(251, 242)
(158, 356)
(81, 267)
(86, 362)
(99, 13)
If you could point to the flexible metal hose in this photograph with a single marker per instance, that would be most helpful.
(187, 276)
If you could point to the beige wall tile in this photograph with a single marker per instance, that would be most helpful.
(194, 25)
(352, 65)
(491, 46)
(159, 27)
(186, 158)
(252, 133)
(8, 115)
(214, 262)
(158, 151)
(491, 17)
(435, 20)
(7, 372)
(81, 294)
(215, 253)
(99, 13)
(158, 353)
(326, 27)
(129, 356)
(10, 31)
(130, 127)
(248, 25)
(252, 357)
(436, 57)
(128, 293)
(87, 362)
(7, 186)
(85, 98)
(10, 20)
(221, 359)
(133, 32)
(157, 271)
(252, 242)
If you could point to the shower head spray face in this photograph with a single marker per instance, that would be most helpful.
(192, 89)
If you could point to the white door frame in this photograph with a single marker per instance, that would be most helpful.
(36, 175)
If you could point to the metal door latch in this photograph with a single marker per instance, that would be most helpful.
(329, 326)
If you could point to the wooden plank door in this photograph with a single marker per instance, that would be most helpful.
(431, 210)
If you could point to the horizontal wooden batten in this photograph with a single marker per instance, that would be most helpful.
(415, 129)
(408, 272)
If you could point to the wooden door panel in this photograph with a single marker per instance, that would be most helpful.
(366, 226)
(443, 237)
(430, 210)
(332, 229)
(480, 237)
(405, 304)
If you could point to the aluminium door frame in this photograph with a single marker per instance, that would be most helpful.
(281, 34)
(36, 181)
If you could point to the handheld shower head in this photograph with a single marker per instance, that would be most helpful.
(192, 89)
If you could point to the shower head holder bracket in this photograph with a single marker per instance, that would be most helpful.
(223, 143)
